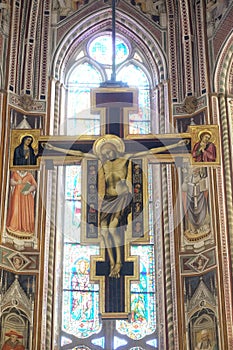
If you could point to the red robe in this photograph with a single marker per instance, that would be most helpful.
(9, 345)
(21, 216)
(208, 155)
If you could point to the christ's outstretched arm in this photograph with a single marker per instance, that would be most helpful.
(69, 152)
(158, 150)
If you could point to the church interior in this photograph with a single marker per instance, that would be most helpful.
(116, 174)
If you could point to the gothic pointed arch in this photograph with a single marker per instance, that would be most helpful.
(100, 22)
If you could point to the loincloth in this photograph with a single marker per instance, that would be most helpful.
(117, 207)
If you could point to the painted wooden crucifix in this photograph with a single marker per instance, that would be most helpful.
(113, 172)
(117, 200)
(113, 168)
(115, 161)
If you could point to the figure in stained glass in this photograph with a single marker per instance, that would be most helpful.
(138, 308)
(81, 299)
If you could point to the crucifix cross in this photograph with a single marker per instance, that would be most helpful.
(114, 190)
(112, 218)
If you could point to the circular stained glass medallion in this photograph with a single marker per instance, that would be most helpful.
(100, 49)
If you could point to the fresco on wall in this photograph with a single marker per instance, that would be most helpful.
(19, 120)
(204, 150)
(67, 7)
(13, 341)
(24, 148)
(24, 153)
(195, 199)
(21, 199)
(26, 261)
(156, 9)
(215, 10)
(195, 183)
(201, 307)
(205, 145)
(20, 218)
(199, 262)
(17, 294)
(183, 123)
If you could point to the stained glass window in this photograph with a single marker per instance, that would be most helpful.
(80, 297)
(99, 341)
(139, 123)
(72, 219)
(92, 67)
(80, 301)
(80, 119)
(118, 342)
(143, 320)
(100, 49)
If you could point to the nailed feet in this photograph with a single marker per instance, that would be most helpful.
(115, 270)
